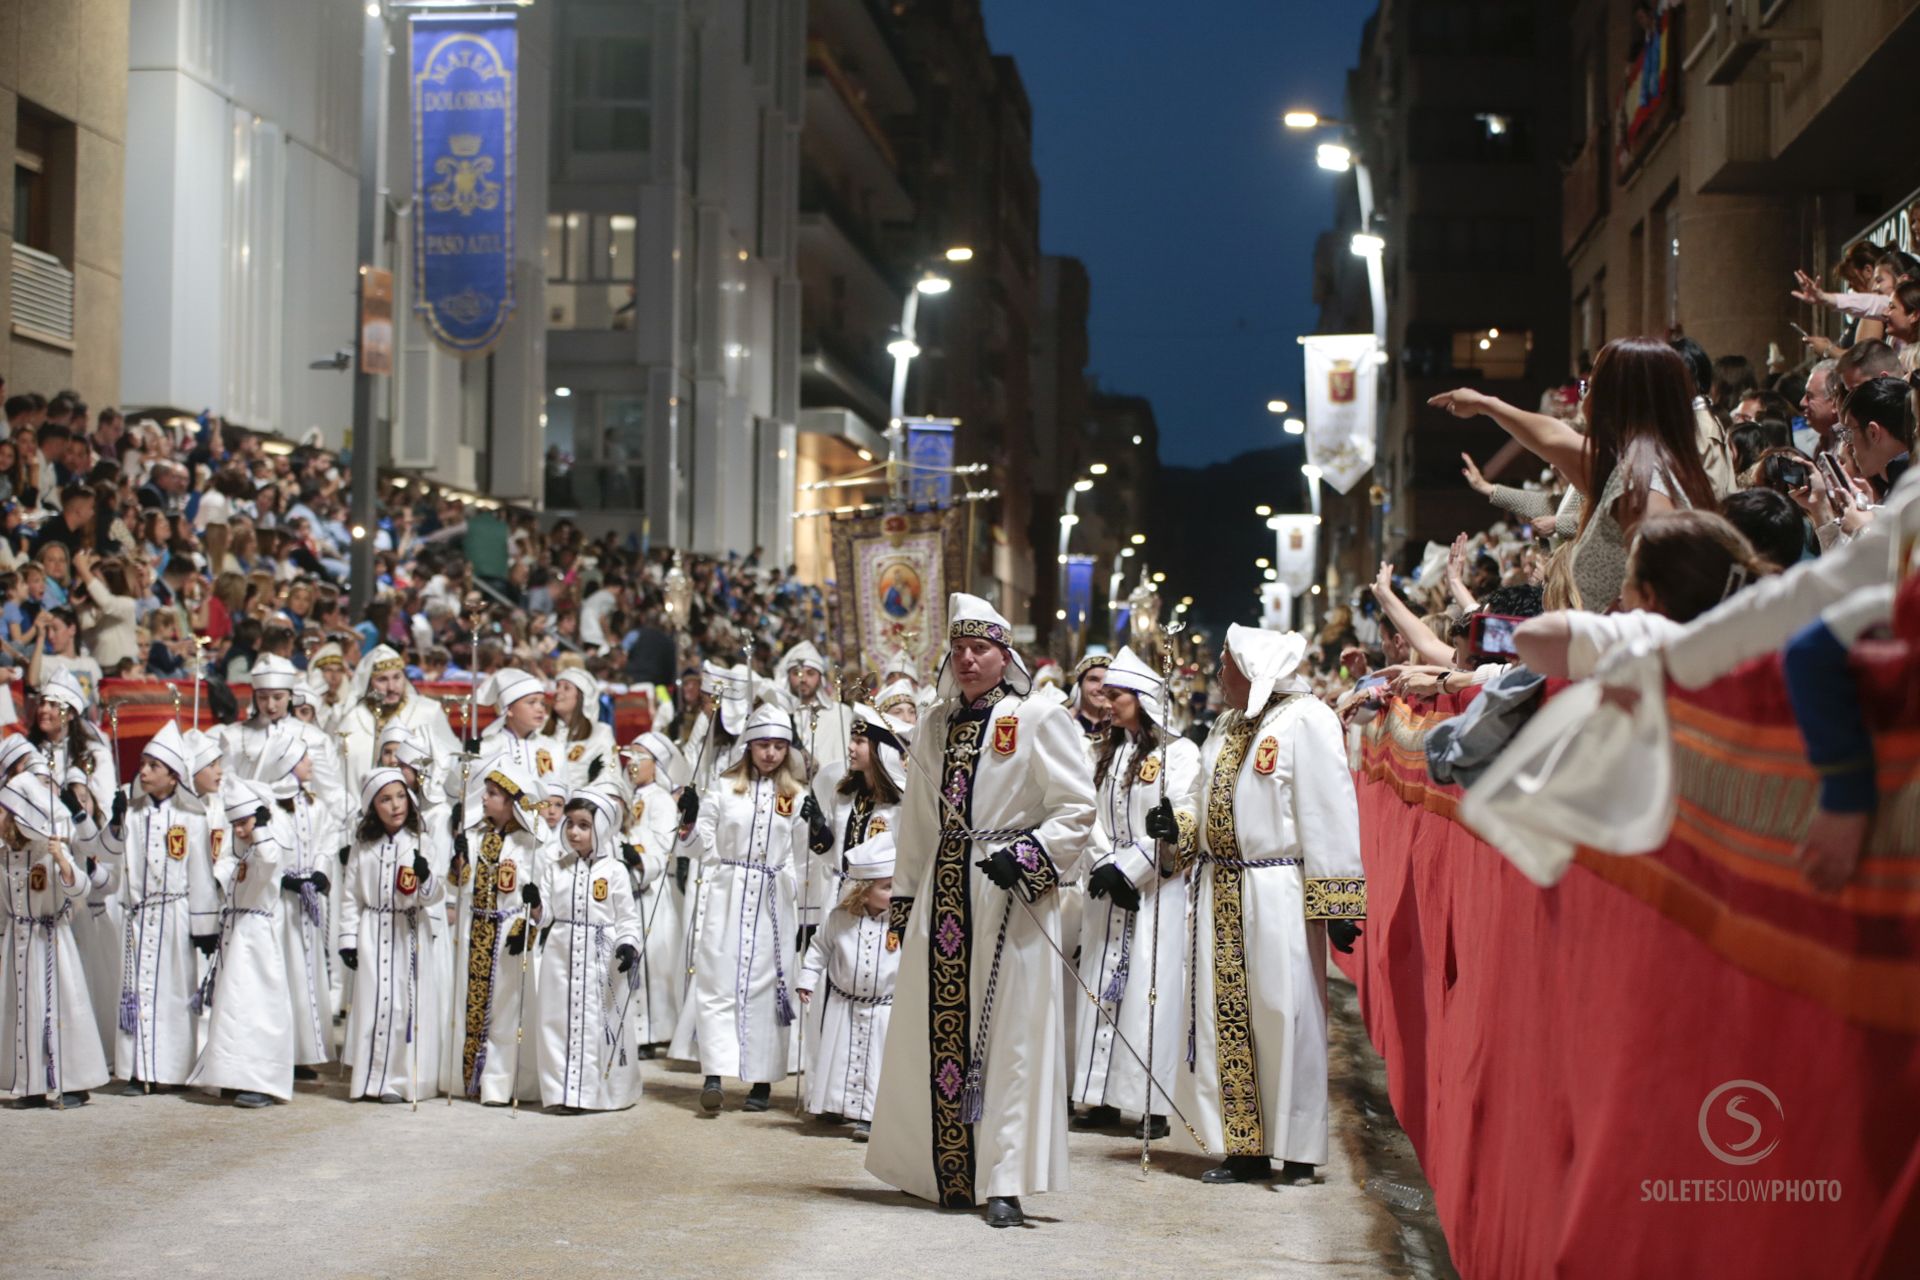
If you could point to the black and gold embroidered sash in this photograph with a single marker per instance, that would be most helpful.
(483, 927)
(950, 955)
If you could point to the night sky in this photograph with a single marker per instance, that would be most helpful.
(1164, 167)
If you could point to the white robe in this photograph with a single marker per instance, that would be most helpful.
(1118, 947)
(744, 961)
(538, 754)
(490, 1039)
(243, 744)
(575, 760)
(385, 923)
(1292, 797)
(359, 733)
(167, 894)
(39, 956)
(249, 1040)
(851, 972)
(822, 726)
(840, 811)
(585, 1007)
(313, 838)
(1030, 775)
(653, 829)
(97, 931)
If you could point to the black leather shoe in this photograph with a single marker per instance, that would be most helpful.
(1239, 1169)
(1295, 1174)
(830, 1117)
(251, 1101)
(1098, 1118)
(305, 1073)
(758, 1098)
(1004, 1211)
(862, 1130)
(75, 1099)
(710, 1095)
(29, 1102)
(133, 1089)
(1151, 1129)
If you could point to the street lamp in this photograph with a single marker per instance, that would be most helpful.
(1276, 406)
(1294, 427)
(1097, 469)
(1138, 539)
(1366, 244)
(1333, 157)
(1302, 120)
(903, 349)
(931, 284)
(1263, 510)
(960, 253)
(1067, 520)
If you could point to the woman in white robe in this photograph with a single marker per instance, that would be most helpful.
(310, 835)
(496, 871)
(846, 982)
(751, 835)
(249, 1045)
(1133, 937)
(395, 879)
(44, 1001)
(589, 964)
(403, 749)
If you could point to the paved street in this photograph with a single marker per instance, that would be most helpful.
(180, 1186)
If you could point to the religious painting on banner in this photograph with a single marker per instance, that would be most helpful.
(464, 68)
(930, 454)
(1342, 381)
(894, 573)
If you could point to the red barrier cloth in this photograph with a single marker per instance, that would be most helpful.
(1551, 1053)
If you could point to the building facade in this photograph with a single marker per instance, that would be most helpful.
(671, 263)
(63, 119)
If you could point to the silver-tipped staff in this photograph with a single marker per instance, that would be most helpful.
(1153, 973)
(469, 733)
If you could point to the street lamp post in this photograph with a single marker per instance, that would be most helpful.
(903, 349)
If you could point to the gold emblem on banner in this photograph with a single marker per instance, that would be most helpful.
(463, 187)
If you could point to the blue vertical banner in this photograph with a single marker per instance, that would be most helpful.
(930, 453)
(1079, 590)
(464, 99)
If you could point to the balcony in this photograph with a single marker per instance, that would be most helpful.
(859, 30)
(42, 298)
(849, 137)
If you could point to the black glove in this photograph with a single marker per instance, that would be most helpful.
(1160, 822)
(1343, 934)
(321, 885)
(626, 955)
(802, 938)
(90, 866)
(471, 746)
(205, 941)
(290, 883)
(350, 957)
(1001, 869)
(459, 817)
(1108, 879)
(810, 809)
(689, 806)
(819, 834)
(517, 939)
(72, 803)
(346, 851)
(420, 868)
(119, 807)
(593, 770)
(681, 866)
(459, 843)
(261, 816)
(630, 855)
(530, 894)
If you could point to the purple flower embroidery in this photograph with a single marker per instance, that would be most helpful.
(949, 936)
(948, 1079)
(1026, 855)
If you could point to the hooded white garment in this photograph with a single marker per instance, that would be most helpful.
(1279, 849)
(586, 1006)
(1126, 956)
(1015, 770)
(244, 743)
(536, 753)
(652, 827)
(858, 813)
(1583, 770)
(490, 884)
(44, 997)
(310, 835)
(574, 758)
(750, 838)
(164, 857)
(394, 1025)
(249, 1042)
(849, 972)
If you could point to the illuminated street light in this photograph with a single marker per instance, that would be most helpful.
(1310, 471)
(1301, 120)
(1334, 157)
(1159, 577)
(1067, 522)
(1097, 469)
(1276, 406)
(1081, 486)
(1367, 245)
(903, 348)
(932, 284)
(1261, 563)
(1294, 427)
(1139, 539)
(1263, 510)
(959, 253)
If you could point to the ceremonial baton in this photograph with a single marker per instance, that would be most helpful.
(1066, 962)
(1153, 974)
(55, 1070)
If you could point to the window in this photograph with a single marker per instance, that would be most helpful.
(1446, 242)
(611, 93)
(1493, 352)
(590, 268)
(1469, 137)
(32, 185)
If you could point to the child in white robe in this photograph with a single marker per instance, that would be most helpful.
(847, 982)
